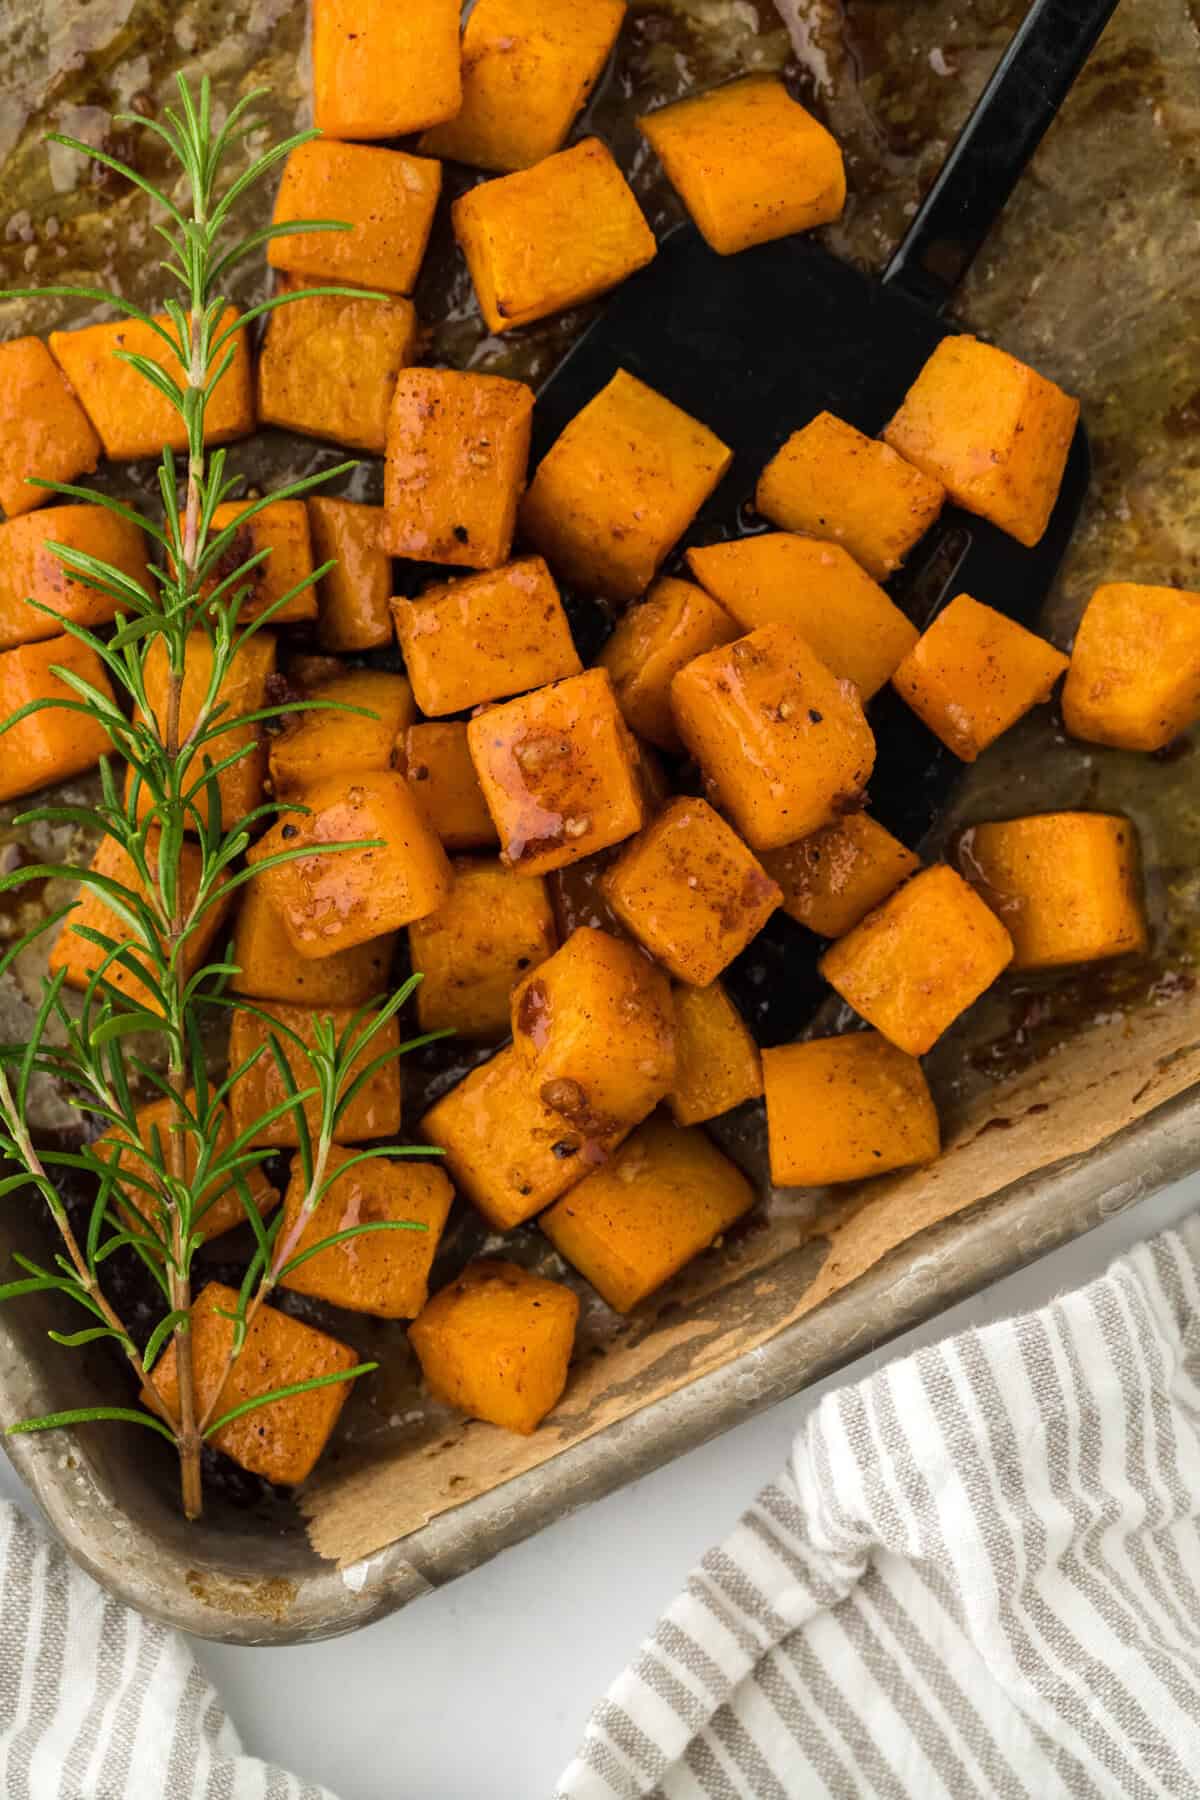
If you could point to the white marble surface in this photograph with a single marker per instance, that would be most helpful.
(480, 1692)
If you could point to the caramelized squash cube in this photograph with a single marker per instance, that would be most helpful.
(493, 928)
(749, 163)
(993, 431)
(381, 1272)
(52, 745)
(382, 70)
(437, 760)
(620, 487)
(835, 877)
(457, 452)
(831, 482)
(1066, 885)
(919, 960)
(271, 970)
(243, 691)
(284, 574)
(385, 196)
(689, 890)
(1134, 679)
(559, 772)
(335, 899)
(783, 742)
(528, 67)
(846, 1108)
(374, 1111)
(974, 673)
(666, 1195)
(284, 1440)
(486, 637)
(219, 1208)
(354, 599)
(45, 435)
(321, 745)
(820, 591)
(328, 367)
(31, 570)
(717, 1062)
(497, 1342)
(676, 622)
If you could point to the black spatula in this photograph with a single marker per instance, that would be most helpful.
(756, 345)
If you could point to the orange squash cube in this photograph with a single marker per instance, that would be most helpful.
(557, 235)
(381, 1272)
(353, 599)
(666, 1195)
(471, 953)
(974, 673)
(717, 1062)
(835, 877)
(382, 70)
(846, 1108)
(994, 432)
(457, 452)
(282, 1441)
(1134, 679)
(595, 1028)
(831, 482)
(748, 162)
(44, 432)
(49, 746)
(281, 529)
(131, 416)
(497, 1342)
(784, 743)
(620, 487)
(219, 1208)
(919, 960)
(1066, 885)
(328, 367)
(374, 1111)
(445, 786)
(385, 196)
(271, 970)
(319, 746)
(31, 570)
(820, 591)
(335, 899)
(243, 691)
(559, 772)
(676, 622)
(689, 890)
(528, 67)
(485, 638)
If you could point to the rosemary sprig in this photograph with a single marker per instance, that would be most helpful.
(97, 1048)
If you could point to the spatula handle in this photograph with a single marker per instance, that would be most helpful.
(1029, 84)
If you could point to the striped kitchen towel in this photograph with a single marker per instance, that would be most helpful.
(978, 1578)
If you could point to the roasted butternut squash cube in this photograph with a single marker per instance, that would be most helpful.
(820, 591)
(131, 416)
(783, 742)
(328, 367)
(382, 70)
(974, 673)
(284, 1440)
(835, 877)
(457, 451)
(846, 1108)
(445, 786)
(471, 953)
(559, 772)
(31, 570)
(284, 574)
(688, 890)
(353, 599)
(271, 970)
(994, 432)
(1066, 885)
(919, 960)
(497, 1342)
(665, 1196)
(51, 745)
(485, 638)
(1134, 679)
(528, 67)
(385, 196)
(334, 899)
(717, 1062)
(384, 1272)
(318, 746)
(243, 691)
(831, 482)
(374, 1111)
(557, 235)
(676, 622)
(45, 435)
(222, 1204)
(595, 1028)
(619, 487)
(748, 162)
